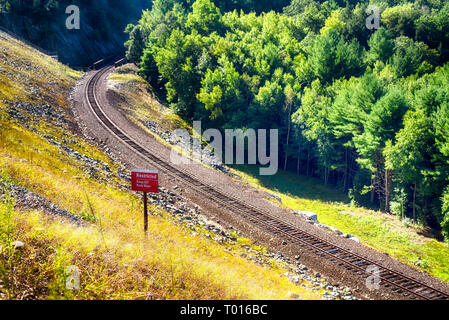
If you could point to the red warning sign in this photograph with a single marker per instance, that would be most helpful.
(145, 181)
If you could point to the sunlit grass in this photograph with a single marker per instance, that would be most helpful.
(139, 104)
(116, 261)
(186, 258)
(380, 231)
(21, 67)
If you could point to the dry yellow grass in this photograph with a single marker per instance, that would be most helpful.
(115, 260)
(140, 104)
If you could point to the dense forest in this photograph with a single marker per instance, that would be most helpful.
(43, 22)
(365, 109)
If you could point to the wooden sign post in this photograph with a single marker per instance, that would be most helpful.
(145, 181)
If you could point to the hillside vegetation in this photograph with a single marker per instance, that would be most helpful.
(48, 171)
(411, 243)
(365, 110)
(403, 240)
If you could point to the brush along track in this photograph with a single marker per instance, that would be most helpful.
(395, 281)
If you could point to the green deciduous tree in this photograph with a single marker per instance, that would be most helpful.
(410, 156)
(205, 17)
(333, 58)
(365, 110)
(135, 44)
(400, 20)
(445, 213)
(381, 46)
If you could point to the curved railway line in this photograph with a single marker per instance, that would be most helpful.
(397, 282)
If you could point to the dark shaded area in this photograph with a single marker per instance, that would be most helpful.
(296, 186)
(102, 22)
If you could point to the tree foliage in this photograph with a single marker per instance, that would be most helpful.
(367, 110)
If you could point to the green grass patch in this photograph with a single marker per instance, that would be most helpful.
(380, 231)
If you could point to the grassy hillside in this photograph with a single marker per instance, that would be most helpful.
(410, 243)
(42, 154)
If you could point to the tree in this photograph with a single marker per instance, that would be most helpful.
(205, 17)
(176, 63)
(296, 7)
(411, 57)
(347, 117)
(400, 20)
(333, 58)
(445, 214)
(149, 70)
(355, 23)
(313, 116)
(333, 23)
(380, 126)
(441, 120)
(352, 106)
(410, 157)
(381, 46)
(312, 19)
(290, 101)
(220, 92)
(135, 44)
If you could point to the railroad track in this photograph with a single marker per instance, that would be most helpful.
(395, 281)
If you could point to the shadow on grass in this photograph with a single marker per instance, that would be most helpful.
(296, 186)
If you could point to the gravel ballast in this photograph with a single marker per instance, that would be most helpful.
(240, 191)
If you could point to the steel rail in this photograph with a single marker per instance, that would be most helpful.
(399, 282)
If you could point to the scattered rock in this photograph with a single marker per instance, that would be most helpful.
(275, 196)
(18, 244)
(354, 239)
(323, 226)
(25, 198)
(309, 216)
(335, 230)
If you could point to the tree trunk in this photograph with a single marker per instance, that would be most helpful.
(387, 191)
(414, 203)
(379, 186)
(298, 169)
(345, 179)
(288, 137)
(402, 206)
(308, 160)
(373, 181)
